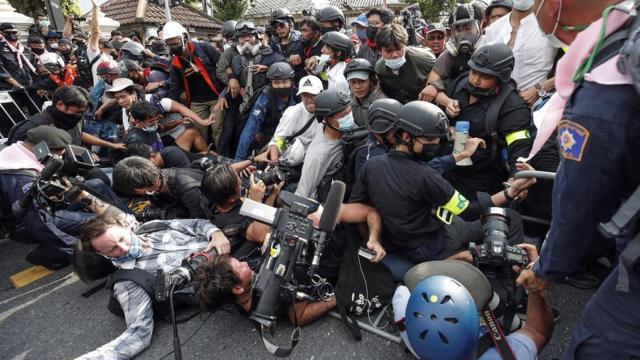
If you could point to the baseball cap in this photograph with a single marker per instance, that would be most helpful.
(466, 274)
(55, 138)
(360, 20)
(310, 85)
(108, 67)
(7, 26)
(434, 27)
(120, 84)
(360, 75)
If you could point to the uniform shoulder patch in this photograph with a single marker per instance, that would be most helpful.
(572, 139)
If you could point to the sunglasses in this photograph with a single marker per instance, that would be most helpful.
(435, 37)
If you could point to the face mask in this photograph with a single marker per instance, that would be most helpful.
(11, 37)
(151, 193)
(66, 52)
(395, 64)
(177, 50)
(323, 59)
(64, 120)
(552, 38)
(151, 129)
(347, 123)
(372, 31)
(44, 23)
(38, 51)
(324, 30)
(479, 92)
(429, 152)
(54, 45)
(362, 34)
(522, 5)
(282, 92)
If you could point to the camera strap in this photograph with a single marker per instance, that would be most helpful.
(497, 335)
(276, 350)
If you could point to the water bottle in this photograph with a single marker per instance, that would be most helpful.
(462, 134)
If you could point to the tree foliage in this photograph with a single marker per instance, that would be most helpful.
(31, 8)
(231, 9)
(435, 10)
(70, 7)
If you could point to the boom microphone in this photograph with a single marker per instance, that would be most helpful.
(328, 221)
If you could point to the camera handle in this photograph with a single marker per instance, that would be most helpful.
(177, 349)
(19, 208)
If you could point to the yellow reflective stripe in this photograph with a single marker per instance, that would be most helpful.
(444, 215)
(518, 135)
(280, 142)
(457, 204)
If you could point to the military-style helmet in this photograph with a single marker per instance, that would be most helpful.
(245, 27)
(331, 13)
(498, 3)
(493, 59)
(382, 115)
(281, 15)
(280, 71)
(229, 29)
(338, 41)
(464, 13)
(330, 102)
(421, 118)
(359, 64)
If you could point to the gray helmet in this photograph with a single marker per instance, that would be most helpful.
(245, 27)
(359, 65)
(229, 29)
(498, 3)
(338, 41)
(330, 102)
(382, 115)
(331, 13)
(421, 118)
(493, 59)
(281, 15)
(280, 71)
(133, 47)
(464, 13)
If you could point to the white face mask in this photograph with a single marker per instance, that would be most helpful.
(552, 38)
(323, 59)
(396, 63)
(522, 5)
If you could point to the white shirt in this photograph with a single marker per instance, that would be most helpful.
(532, 52)
(91, 54)
(293, 120)
(164, 102)
(336, 79)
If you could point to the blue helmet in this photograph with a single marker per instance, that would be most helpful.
(442, 319)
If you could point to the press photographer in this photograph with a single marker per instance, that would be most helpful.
(53, 225)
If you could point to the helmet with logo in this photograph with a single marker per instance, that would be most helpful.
(331, 13)
(382, 115)
(359, 69)
(330, 102)
(339, 42)
(280, 71)
(493, 59)
(281, 15)
(174, 29)
(245, 27)
(229, 29)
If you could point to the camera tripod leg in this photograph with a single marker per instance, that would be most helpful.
(371, 329)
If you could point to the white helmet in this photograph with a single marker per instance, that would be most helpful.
(51, 58)
(173, 29)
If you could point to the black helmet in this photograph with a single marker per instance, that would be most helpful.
(330, 102)
(359, 64)
(331, 13)
(280, 71)
(229, 29)
(421, 118)
(281, 15)
(382, 115)
(493, 59)
(245, 27)
(464, 13)
(338, 41)
(498, 3)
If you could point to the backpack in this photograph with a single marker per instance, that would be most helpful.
(351, 142)
(363, 287)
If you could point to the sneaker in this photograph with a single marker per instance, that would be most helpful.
(36, 257)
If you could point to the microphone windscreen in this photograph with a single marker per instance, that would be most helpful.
(332, 206)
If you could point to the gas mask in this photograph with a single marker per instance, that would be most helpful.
(466, 36)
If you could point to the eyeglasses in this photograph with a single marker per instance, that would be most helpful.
(433, 37)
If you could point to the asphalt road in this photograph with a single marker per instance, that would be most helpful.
(49, 319)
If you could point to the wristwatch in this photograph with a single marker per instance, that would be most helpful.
(541, 91)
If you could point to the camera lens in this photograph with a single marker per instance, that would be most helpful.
(273, 177)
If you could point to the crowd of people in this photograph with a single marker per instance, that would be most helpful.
(427, 124)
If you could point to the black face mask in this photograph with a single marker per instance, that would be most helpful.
(64, 120)
(429, 152)
(306, 43)
(480, 93)
(11, 37)
(282, 92)
(176, 50)
(372, 31)
(37, 51)
(324, 30)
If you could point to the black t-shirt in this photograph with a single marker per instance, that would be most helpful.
(405, 192)
(45, 118)
(175, 157)
(139, 136)
(184, 185)
(488, 170)
(200, 91)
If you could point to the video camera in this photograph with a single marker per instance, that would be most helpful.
(495, 256)
(47, 187)
(289, 271)
(165, 282)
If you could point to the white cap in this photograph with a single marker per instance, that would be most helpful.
(311, 85)
(360, 75)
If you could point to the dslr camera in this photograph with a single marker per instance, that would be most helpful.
(47, 188)
(495, 256)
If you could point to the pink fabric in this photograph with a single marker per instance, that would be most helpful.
(17, 156)
(580, 49)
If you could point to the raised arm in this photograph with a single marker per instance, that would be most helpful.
(94, 37)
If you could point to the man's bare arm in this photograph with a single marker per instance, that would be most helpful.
(102, 208)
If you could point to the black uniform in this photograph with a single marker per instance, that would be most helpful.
(10, 67)
(184, 185)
